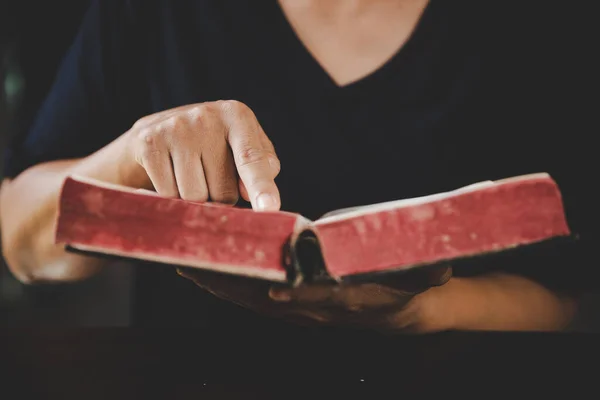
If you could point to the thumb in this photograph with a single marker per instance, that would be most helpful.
(439, 276)
(420, 279)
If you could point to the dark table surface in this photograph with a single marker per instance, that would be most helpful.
(181, 364)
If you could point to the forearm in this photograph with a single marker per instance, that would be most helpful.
(500, 302)
(27, 207)
(28, 211)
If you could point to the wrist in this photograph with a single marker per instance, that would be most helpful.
(494, 302)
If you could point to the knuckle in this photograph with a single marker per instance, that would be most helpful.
(250, 155)
(201, 113)
(233, 107)
(198, 115)
(150, 146)
(176, 131)
(143, 121)
(275, 164)
(175, 124)
(148, 137)
(269, 144)
(150, 143)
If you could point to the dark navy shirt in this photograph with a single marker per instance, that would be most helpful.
(471, 96)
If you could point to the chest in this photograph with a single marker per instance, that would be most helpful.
(416, 125)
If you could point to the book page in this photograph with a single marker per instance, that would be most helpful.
(351, 212)
(360, 210)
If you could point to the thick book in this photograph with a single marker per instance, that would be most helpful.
(357, 243)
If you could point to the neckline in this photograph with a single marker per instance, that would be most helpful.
(292, 39)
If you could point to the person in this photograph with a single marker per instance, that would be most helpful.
(307, 106)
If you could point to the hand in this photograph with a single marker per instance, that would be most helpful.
(391, 307)
(209, 151)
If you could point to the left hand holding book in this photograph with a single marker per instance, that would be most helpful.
(393, 307)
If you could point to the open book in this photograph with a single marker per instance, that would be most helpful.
(396, 236)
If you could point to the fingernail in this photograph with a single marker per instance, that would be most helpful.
(266, 201)
(282, 296)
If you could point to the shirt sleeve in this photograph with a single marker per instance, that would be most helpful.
(90, 102)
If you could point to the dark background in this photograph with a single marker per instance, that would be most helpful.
(34, 36)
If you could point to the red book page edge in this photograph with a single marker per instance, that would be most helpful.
(510, 213)
(99, 218)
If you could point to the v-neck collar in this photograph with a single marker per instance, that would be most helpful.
(305, 56)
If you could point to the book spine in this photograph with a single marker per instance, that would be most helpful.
(304, 260)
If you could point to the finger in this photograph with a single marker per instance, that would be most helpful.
(304, 294)
(418, 280)
(439, 276)
(306, 317)
(156, 160)
(219, 170)
(184, 272)
(243, 190)
(273, 162)
(250, 294)
(251, 158)
(283, 295)
(268, 146)
(195, 277)
(370, 296)
(189, 175)
(343, 299)
(265, 141)
(302, 320)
